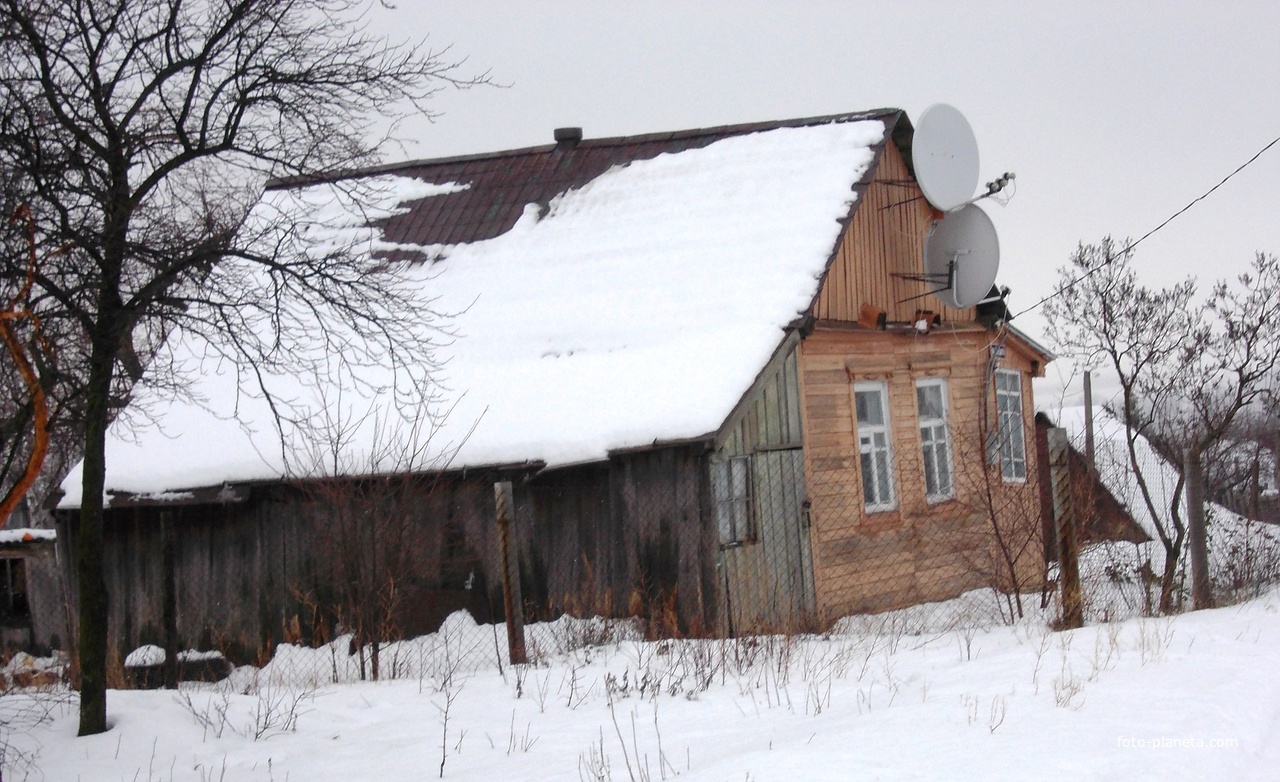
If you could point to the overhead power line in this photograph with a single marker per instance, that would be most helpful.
(1168, 220)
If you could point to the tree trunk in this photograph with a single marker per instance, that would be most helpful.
(1168, 579)
(89, 568)
(1201, 592)
(105, 345)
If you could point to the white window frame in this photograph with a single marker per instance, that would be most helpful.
(935, 443)
(875, 450)
(1011, 426)
(731, 492)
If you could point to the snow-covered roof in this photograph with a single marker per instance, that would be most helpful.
(26, 535)
(605, 296)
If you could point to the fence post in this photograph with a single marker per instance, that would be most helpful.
(1064, 515)
(513, 603)
(169, 598)
(1088, 423)
(1193, 470)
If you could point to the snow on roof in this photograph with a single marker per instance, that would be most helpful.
(634, 308)
(26, 535)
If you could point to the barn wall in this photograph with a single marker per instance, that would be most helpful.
(919, 551)
(626, 537)
(630, 537)
(770, 416)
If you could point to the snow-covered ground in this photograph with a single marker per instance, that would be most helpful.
(1188, 697)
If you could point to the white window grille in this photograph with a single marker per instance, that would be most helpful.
(935, 439)
(872, 402)
(1013, 445)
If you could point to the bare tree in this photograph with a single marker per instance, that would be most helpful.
(144, 129)
(1186, 368)
(1005, 547)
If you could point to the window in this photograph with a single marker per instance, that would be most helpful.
(1013, 446)
(731, 487)
(872, 403)
(13, 590)
(935, 439)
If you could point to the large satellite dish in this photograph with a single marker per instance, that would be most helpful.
(945, 155)
(961, 257)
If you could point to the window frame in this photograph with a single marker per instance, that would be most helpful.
(868, 450)
(941, 448)
(1009, 438)
(733, 502)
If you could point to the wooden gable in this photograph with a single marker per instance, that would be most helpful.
(882, 245)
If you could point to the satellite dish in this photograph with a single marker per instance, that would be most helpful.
(945, 155)
(961, 257)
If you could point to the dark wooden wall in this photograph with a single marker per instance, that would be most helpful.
(631, 536)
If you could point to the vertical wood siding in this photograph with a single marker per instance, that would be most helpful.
(884, 239)
(630, 536)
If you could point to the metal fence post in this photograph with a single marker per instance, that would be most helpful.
(513, 603)
(1064, 514)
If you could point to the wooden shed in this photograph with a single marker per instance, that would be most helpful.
(877, 452)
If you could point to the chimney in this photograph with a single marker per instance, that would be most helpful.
(567, 138)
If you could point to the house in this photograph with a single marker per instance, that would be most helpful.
(704, 359)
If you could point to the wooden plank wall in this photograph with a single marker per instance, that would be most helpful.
(632, 537)
(767, 580)
(772, 417)
(625, 537)
(885, 238)
(919, 551)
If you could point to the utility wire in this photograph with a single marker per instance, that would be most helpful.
(1140, 239)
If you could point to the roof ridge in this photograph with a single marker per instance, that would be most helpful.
(607, 141)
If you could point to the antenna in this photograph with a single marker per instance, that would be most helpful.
(961, 257)
(945, 155)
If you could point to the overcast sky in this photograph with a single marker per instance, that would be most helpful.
(1113, 115)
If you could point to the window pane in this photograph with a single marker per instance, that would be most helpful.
(929, 400)
(930, 469)
(882, 477)
(868, 479)
(869, 408)
(720, 481)
(945, 488)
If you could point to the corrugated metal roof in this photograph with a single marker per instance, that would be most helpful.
(501, 184)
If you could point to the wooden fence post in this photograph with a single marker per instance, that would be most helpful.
(513, 603)
(1064, 514)
(1197, 535)
(169, 598)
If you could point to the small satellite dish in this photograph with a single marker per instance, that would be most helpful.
(945, 155)
(961, 257)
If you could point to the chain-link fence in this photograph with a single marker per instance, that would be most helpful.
(397, 576)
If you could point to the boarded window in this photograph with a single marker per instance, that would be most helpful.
(1013, 446)
(935, 439)
(872, 402)
(731, 485)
